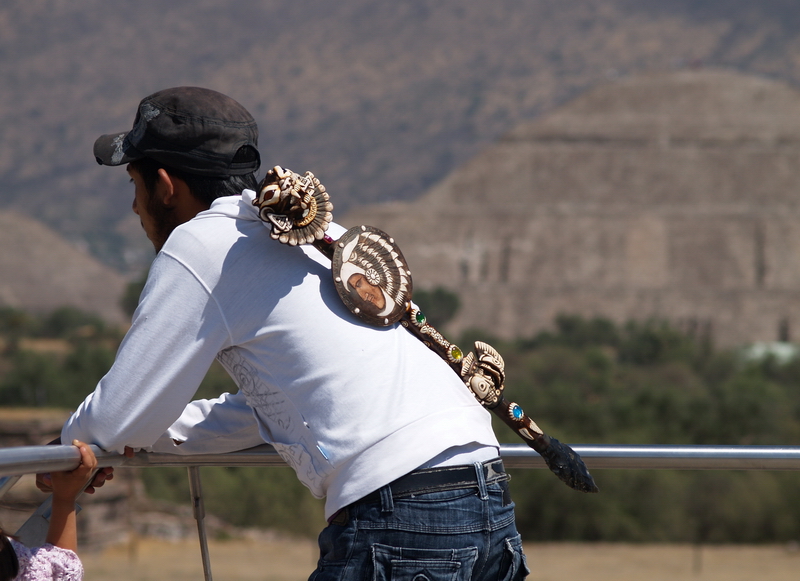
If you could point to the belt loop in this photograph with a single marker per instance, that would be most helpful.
(387, 504)
(482, 490)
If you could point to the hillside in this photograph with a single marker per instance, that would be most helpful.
(40, 271)
(669, 196)
(381, 100)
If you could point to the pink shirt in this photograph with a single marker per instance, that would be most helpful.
(47, 563)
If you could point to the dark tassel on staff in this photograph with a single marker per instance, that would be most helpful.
(483, 372)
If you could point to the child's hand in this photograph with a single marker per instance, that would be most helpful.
(68, 485)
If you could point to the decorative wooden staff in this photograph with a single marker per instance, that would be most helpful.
(374, 282)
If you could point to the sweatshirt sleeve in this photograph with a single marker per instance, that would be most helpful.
(176, 332)
(212, 426)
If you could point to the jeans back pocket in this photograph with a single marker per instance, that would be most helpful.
(404, 564)
(515, 565)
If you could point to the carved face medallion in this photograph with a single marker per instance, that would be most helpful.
(371, 275)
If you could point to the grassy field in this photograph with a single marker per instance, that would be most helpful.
(293, 560)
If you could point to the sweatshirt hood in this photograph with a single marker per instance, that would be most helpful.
(242, 208)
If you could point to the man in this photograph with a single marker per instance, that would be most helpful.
(368, 417)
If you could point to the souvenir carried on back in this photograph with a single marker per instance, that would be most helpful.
(298, 207)
(371, 276)
(374, 282)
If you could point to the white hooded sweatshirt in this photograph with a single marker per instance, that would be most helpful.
(350, 407)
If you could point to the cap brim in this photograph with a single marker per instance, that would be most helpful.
(114, 149)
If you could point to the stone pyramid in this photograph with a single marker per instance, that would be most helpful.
(673, 196)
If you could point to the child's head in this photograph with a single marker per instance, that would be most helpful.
(9, 564)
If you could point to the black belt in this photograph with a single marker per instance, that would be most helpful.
(438, 479)
(434, 480)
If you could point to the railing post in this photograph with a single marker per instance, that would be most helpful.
(199, 510)
(6, 482)
(33, 531)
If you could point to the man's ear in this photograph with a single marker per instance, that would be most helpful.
(174, 193)
(165, 188)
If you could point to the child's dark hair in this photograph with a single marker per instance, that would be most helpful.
(9, 564)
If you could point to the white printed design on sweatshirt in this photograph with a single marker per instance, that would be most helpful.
(271, 404)
(272, 407)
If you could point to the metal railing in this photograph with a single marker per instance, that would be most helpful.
(35, 459)
(15, 462)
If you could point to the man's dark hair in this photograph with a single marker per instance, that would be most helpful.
(204, 188)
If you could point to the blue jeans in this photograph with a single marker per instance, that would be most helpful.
(454, 535)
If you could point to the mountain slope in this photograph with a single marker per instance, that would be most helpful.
(669, 196)
(40, 271)
(381, 100)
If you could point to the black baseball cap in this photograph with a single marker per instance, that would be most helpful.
(195, 130)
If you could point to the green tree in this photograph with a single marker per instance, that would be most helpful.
(439, 305)
(245, 496)
(130, 299)
(29, 379)
(67, 322)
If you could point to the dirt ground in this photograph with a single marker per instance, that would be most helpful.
(293, 560)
